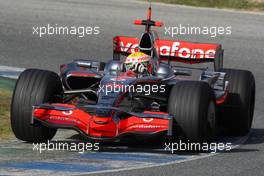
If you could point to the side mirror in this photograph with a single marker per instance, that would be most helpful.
(114, 66)
(183, 72)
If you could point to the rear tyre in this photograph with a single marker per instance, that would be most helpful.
(236, 114)
(33, 87)
(193, 106)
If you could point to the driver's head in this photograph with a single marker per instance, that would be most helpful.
(139, 63)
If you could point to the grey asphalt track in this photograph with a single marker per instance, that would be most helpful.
(243, 49)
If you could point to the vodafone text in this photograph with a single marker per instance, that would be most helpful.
(175, 50)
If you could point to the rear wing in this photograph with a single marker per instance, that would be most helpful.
(169, 50)
(125, 45)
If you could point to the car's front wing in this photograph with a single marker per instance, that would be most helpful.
(90, 125)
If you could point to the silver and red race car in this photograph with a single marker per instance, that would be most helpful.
(84, 97)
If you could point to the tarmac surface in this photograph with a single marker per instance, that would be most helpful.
(244, 49)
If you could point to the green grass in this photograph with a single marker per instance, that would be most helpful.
(6, 83)
(234, 4)
(6, 87)
(5, 128)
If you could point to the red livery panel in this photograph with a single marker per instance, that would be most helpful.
(172, 50)
(99, 127)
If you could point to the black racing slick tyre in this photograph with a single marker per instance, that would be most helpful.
(236, 114)
(33, 87)
(193, 106)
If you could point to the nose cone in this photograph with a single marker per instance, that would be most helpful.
(112, 88)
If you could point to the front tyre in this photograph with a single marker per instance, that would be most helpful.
(33, 87)
(193, 106)
(236, 114)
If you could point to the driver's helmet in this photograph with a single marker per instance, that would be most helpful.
(139, 62)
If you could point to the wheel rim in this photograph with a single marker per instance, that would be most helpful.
(251, 107)
(209, 123)
(211, 118)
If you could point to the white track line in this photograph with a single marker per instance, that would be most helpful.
(235, 145)
(8, 68)
(10, 72)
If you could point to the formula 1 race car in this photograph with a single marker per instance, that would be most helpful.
(95, 98)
